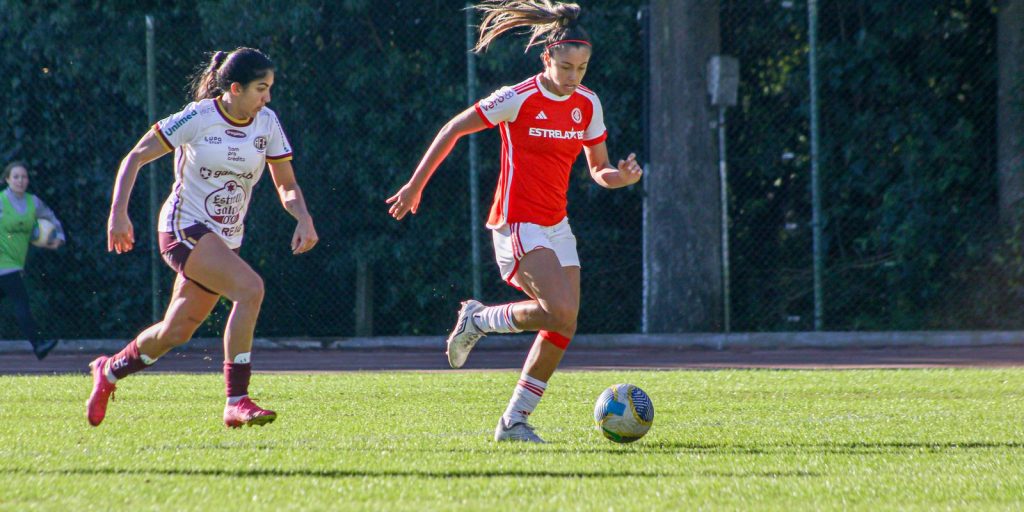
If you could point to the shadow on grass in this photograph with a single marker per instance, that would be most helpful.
(679, 448)
(851, 448)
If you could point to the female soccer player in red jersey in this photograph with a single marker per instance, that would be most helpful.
(222, 141)
(544, 121)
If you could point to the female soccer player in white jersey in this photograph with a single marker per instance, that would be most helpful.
(221, 143)
(544, 121)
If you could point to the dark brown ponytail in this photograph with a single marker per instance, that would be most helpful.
(243, 65)
(550, 23)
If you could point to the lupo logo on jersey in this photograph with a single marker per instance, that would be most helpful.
(238, 134)
(577, 115)
(260, 143)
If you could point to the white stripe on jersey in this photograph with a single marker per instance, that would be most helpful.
(511, 171)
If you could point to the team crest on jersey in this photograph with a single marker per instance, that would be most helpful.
(260, 143)
(225, 204)
(577, 115)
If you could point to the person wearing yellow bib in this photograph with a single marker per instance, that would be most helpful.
(19, 212)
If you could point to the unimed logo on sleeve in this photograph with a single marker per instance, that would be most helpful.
(181, 122)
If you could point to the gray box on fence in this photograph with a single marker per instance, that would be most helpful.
(723, 80)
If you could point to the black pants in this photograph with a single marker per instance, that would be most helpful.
(12, 286)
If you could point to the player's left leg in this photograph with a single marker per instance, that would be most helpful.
(558, 289)
(13, 286)
(219, 268)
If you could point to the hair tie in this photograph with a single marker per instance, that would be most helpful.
(563, 41)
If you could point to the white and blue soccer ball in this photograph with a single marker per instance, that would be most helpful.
(624, 413)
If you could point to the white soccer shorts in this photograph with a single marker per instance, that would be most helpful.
(512, 241)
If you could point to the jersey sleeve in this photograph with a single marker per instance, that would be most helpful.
(278, 147)
(596, 132)
(502, 106)
(43, 211)
(179, 128)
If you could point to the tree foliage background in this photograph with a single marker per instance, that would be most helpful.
(908, 120)
(362, 88)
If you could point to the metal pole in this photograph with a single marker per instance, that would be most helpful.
(643, 18)
(154, 261)
(474, 174)
(812, 29)
(722, 176)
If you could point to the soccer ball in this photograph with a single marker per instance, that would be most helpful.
(43, 234)
(623, 413)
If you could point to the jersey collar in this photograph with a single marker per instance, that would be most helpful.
(548, 94)
(233, 121)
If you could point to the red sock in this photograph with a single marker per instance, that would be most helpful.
(236, 378)
(127, 361)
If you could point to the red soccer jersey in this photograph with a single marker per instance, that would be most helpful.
(541, 136)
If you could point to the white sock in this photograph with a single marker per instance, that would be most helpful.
(524, 399)
(496, 319)
(109, 374)
(232, 400)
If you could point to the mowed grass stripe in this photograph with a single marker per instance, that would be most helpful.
(908, 439)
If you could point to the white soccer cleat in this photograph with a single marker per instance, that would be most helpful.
(465, 335)
(520, 431)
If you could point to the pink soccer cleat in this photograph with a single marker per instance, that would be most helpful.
(246, 412)
(102, 391)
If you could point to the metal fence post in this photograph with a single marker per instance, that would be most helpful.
(812, 29)
(474, 172)
(154, 261)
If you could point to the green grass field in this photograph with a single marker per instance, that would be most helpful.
(911, 439)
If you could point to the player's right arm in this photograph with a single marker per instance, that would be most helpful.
(120, 233)
(407, 199)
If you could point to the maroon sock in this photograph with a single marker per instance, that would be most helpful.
(127, 361)
(236, 378)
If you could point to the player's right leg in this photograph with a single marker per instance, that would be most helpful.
(221, 269)
(190, 304)
(522, 250)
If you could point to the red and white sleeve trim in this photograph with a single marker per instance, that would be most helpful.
(596, 141)
(483, 116)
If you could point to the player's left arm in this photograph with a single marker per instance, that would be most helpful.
(625, 174)
(288, 191)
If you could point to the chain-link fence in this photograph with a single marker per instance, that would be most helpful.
(361, 89)
(907, 166)
(907, 162)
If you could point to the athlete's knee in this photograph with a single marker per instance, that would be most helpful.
(562, 316)
(178, 332)
(250, 290)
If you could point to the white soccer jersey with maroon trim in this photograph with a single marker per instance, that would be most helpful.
(542, 134)
(217, 161)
